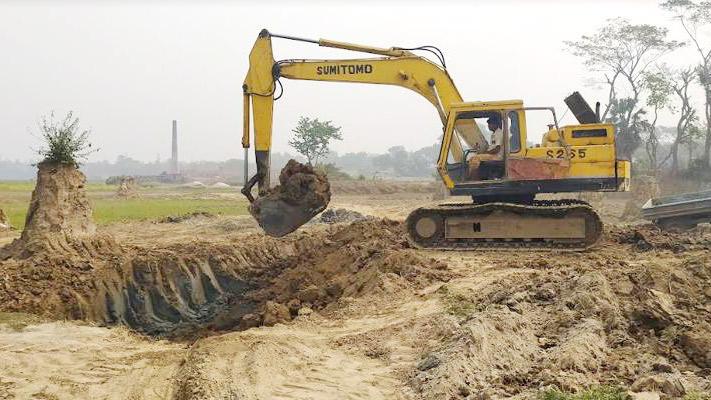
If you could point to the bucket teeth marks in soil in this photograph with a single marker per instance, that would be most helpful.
(66, 361)
(190, 287)
(294, 362)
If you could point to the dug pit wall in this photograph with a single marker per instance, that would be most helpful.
(164, 292)
(187, 288)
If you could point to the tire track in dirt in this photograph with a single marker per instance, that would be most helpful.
(61, 360)
(311, 358)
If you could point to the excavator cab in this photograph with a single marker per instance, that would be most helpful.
(571, 158)
(484, 160)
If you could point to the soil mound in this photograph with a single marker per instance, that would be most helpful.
(572, 322)
(650, 237)
(127, 188)
(59, 203)
(174, 219)
(59, 212)
(190, 287)
(340, 215)
(302, 193)
(4, 221)
(367, 257)
(55, 278)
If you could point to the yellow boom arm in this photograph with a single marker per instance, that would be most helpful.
(398, 67)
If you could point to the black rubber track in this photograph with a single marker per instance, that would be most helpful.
(547, 208)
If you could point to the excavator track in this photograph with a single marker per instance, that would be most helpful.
(546, 224)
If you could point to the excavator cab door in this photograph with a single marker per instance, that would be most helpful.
(487, 160)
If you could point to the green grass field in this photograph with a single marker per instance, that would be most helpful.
(153, 203)
(107, 211)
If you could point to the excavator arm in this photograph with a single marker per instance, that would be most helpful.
(397, 67)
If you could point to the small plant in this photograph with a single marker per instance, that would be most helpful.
(65, 142)
(457, 304)
(697, 396)
(19, 321)
(594, 393)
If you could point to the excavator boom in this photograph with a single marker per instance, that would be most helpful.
(398, 68)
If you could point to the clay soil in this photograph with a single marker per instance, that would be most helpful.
(208, 307)
(301, 194)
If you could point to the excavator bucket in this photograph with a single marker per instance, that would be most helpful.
(302, 194)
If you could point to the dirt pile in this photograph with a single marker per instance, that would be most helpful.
(59, 203)
(574, 321)
(340, 215)
(181, 287)
(383, 187)
(59, 212)
(174, 219)
(650, 237)
(4, 221)
(302, 193)
(127, 188)
(190, 287)
(367, 257)
(57, 276)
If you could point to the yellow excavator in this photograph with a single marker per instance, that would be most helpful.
(502, 177)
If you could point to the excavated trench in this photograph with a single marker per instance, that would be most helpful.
(171, 294)
(160, 301)
(178, 290)
(184, 289)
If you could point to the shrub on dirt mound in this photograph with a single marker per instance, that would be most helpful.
(127, 188)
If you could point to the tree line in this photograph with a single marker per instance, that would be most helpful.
(629, 61)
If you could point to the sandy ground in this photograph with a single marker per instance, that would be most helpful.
(69, 360)
(499, 325)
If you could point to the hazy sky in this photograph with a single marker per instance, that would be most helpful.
(128, 68)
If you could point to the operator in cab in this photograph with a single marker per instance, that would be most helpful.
(486, 165)
(497, 136)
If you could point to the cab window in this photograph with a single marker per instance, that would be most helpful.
(514, 132)
(480, 139)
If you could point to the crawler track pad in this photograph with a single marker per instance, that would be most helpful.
(559, 224)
